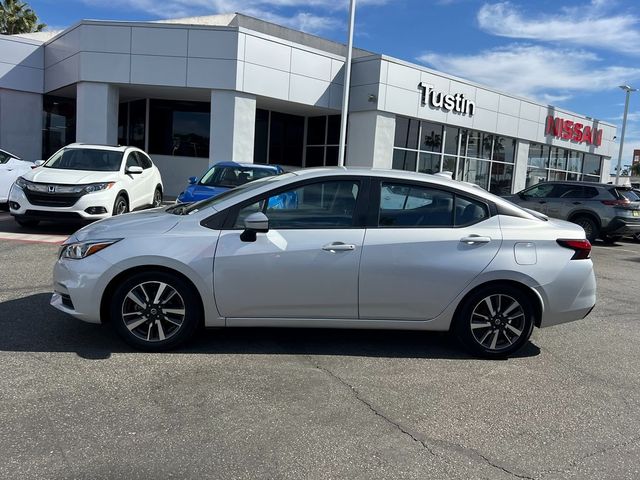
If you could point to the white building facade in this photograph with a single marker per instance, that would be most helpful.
(195, 92)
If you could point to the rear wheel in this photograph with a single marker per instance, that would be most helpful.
(589, 226)
(121, 205)
(495, 321)
(27, 223)
(155, 311)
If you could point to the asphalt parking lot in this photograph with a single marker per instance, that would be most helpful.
(75, 402)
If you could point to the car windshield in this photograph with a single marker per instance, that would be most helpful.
(212, 202)
(6, 156)
(233, 176)
(91, 159)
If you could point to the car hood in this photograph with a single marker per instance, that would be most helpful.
(201, 192)
(147, 222)
(68, 177)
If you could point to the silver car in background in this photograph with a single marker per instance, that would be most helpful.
(334, 248)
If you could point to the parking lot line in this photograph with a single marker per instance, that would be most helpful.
(33, 238)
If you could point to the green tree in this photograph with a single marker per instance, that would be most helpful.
(17, 17)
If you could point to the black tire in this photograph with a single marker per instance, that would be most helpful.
(154, 320)
(4, 207)
(589, 226)
(120, 206)
(611, 239)
(157, 198)
(474, 313)
(23, 222)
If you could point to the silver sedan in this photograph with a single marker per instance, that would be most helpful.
(331, 248)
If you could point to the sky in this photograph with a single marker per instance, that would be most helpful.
(570, 54)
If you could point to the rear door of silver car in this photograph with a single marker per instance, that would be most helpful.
(425, 244)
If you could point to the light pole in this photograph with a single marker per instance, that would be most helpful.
(627, 89)
(347, 84)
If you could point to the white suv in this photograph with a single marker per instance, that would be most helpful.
(86, 182)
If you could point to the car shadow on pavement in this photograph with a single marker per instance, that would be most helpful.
(30, 324)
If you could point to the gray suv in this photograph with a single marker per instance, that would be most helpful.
(604, 211)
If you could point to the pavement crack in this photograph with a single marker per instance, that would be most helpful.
(575, 462)
(375, 411)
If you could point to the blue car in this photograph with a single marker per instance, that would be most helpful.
(224, 176)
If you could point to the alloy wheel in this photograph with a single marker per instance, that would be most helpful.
(157, 199)
(121, 207)
(497, 322)
(153, 311)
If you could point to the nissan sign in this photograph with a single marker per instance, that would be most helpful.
(574, 131)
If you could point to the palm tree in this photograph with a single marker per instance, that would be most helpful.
(17, 17)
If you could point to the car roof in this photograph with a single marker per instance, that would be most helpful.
(580, 183)
(246, 164)
(97, 146)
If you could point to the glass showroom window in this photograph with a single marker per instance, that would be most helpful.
(481, 158)
(179, 129)
(488, 161)
(58, 123)
(548, 163)
(279, 138)
(132, 120)
(323, 138)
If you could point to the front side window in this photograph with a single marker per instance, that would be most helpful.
(93, 160)
(414, 206)
(328, 204)
(539, 191)
(132, 160)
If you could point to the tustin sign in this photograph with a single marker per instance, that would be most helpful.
(455, 103)
(574, 131)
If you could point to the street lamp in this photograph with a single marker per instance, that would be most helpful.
(627, 89)
(347, 85)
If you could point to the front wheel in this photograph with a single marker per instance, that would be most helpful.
(120, 206)
(155, 311)
(495, 321)
(157, 198)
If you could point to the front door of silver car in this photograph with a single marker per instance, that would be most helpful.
(304, 266)
(426, 245)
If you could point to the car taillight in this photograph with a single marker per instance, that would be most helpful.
(616, 203)
(582, 248)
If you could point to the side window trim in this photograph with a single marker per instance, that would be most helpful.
(375, 189)
(359, 213)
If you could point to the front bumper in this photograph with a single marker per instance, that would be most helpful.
(77, 287)
(21, 207)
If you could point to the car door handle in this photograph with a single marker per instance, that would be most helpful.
(339, 247)
(473, 239)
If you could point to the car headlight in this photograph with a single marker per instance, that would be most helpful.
(21, 182)
(79, 250)
(96, 187)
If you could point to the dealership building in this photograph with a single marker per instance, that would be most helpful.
(194, 92)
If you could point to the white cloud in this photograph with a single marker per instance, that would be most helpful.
(307, 15)
(535, 71)
(587, 25)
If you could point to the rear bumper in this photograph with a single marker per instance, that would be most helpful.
(623, 226)
(571, 296)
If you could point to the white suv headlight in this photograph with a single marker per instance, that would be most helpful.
(79, 250)
(21, 182)
(96, 187)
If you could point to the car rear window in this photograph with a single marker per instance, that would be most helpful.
(627, 194)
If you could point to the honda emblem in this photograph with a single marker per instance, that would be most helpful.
(51, 188)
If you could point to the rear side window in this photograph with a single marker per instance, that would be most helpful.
(469, 211)
(414, 206)
(580, 192)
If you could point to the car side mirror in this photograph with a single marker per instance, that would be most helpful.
(193, 180)
(253, 224)
(39, 163)
(134, 170)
